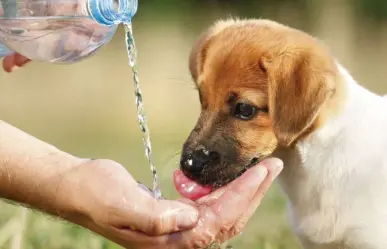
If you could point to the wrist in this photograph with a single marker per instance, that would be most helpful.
(49, 192)
(68, 200)
(92, 188)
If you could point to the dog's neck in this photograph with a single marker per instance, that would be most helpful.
(352, 107)
(321, 159)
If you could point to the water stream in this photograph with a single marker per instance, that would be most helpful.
(132, 55)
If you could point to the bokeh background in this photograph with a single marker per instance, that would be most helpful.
(88, 108)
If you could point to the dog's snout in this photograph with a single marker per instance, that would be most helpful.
(195, 162)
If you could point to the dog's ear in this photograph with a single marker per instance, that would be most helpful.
(198, 54)
(299, 84)
(199, 50)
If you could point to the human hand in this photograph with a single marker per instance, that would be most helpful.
(97, 194)
(115, 207)
(13, 61)
(225, 212)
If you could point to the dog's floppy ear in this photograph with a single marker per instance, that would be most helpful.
(199, 50)
(299, 82)
(198, 54)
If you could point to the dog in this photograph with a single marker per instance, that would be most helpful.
(267, 89)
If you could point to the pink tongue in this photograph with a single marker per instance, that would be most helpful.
(188, 188)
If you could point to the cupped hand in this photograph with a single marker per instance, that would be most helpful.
(116, 207)
(225, 212)
(13, 61)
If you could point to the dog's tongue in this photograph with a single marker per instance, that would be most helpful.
(188, 188)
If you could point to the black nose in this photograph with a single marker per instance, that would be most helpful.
(194, 163)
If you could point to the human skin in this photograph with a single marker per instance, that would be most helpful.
(14, 61)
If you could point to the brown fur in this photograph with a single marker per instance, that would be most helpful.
(270, 66)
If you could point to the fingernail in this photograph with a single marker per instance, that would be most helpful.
(187, 218)
(255, 175)
(262, 172)
(275, 166)
(14, 68)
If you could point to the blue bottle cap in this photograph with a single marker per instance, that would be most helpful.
(106, 13)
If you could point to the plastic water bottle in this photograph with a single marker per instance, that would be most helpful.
(4, 50)
(60, 30)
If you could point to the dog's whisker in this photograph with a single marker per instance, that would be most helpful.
(169, 158)
(186, 86)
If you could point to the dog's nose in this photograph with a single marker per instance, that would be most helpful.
(194, 163)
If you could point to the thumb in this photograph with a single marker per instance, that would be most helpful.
(159, 217)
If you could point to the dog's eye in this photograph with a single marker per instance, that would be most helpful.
(244, 111)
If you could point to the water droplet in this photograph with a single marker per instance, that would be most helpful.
(190, 189)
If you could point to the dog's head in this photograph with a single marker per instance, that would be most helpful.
(262, 86)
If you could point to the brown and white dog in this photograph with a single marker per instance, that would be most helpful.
(270, 90)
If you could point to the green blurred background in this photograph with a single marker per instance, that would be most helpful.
(88, 108)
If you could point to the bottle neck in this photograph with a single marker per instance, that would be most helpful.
(112, 12)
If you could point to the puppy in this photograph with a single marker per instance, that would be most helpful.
(270, 90)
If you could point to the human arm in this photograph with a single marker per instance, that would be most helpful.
(31, 171)
(82, 191)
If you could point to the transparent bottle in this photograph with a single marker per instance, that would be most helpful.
(4, 50)
(61, 31)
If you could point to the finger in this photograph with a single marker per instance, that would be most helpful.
(8, 63)
(20, 60)
(158, 217)
(213, 225)
(210, 199)
(131, 239)
(215, 195)
(134, 240)
(274, 167)
(230, 206)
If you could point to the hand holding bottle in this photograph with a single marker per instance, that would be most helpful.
(13, 61)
